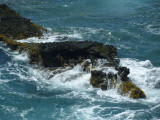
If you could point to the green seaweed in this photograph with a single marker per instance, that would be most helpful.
(127, 88)
(31, 48)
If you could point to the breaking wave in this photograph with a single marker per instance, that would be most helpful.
(72, 86)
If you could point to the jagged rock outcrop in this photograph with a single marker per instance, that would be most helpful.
(123, 73)
(129, 89)
(105, 81)
(87, 65)
(69, 53)
(72, 53)
(99, 79)
(14, 26)
(64, 53)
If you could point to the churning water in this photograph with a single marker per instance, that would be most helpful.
(132, 26)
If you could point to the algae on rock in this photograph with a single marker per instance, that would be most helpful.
(99, 79)
(31, 48)
(131, 90)
(69, 53)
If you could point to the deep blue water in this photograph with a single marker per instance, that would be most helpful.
(132, 26)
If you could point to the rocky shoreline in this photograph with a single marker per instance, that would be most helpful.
(66, 54)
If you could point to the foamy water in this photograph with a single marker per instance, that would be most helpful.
(132, 26)
(73, 84)
(52, 37)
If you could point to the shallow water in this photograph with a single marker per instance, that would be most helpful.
(133, 27)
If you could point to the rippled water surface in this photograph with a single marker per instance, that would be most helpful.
(132, 26)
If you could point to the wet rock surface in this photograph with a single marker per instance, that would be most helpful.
(101, 80)
(66, 54)
(129, 89)
(123, 73)
(72, 53)
(98, 79)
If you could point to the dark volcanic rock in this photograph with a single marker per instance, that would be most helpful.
(60, 53)
(14, 26)
(123, 73)
(102, 80)
(99, 79)
(66, 54)
(87, 66)
(129, 89)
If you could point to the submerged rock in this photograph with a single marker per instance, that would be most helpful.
(14, 26)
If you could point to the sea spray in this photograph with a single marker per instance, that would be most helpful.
(131, 26)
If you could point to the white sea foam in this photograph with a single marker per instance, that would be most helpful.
(154, 28)
(127, 114)
(20, 57)
(75, 33)
(51, 37)
(74, 79)
(136, 36)
(13, 110)
(8, 109)
(142, 73)
(145, 76)
(25, 112)
(88, 113)
(16, 56)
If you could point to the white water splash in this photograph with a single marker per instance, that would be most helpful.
(20, 57)
(154, 28)
(145, 76)
(25, 112)
(142, 73)
(51, 37)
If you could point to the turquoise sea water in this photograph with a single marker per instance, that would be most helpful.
(132, 26)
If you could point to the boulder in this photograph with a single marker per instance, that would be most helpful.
(66, 54)
(123, 73)
(129, 89)
(61, 54)
(99, 79)
(102, 80)
(112, 80)
(71, 52)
